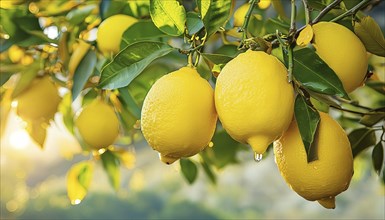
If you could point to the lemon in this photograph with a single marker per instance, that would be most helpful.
(342, 51)
(98, 124)
(110, 33)
(253, 99)
(321, 179)
(178, 115)
(239, 15)
(39, 100)
(264, 4)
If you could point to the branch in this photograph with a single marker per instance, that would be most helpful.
(326, 10)
(351, 11)
(307, 11)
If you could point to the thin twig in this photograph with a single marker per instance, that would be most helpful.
(326, 10)
(307, 11)
(246, 22)
(352, 11)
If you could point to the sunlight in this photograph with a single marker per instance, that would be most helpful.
(19, 139)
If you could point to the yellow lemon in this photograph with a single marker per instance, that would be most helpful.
(253, 99)
(321, 179)
(110, 32)
(342, 51)
(98, 124)
(39, 101)
(264, 4)
(239, 15)
(178, 115)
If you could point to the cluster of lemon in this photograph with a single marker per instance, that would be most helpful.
(255, 103)
(252, 98)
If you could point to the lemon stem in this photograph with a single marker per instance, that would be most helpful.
(307, 11)
(247, 19)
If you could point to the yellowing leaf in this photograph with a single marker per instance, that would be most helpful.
(37, 130)
(371, 35)
(78, 180)
(305, 36)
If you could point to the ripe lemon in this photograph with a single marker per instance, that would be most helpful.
(253, 99)
(239, 15)
(178, 115)
(343, 51)
(321, 179)
(39, 101)
(98, 124)
(110, 33)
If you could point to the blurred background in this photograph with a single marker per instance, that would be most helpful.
(33, 182)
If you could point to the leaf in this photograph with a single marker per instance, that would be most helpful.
(360, 139)
(372, 119)
(169, 16)
(209, 172)
(78, 15)
(315, 74)
(65, 108)
(26, 77)
(193, 23)
(223, 150)
(371, 35)
(189, 169)
(307, 120)
(129, 101)
(141, 30)
(111, 166)
(378, 157)
(78, 181)
(273, 24)
(130, 62)
(37, 130)
(214, 13)
(216, 58)
(83, 72)
(305, 36)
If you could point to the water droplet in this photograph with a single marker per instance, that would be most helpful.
(257, 157)
(76, 202)
(211, 144)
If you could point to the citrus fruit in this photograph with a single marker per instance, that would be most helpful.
(178, 115)
(342, 51)
(39, 100)
(323, 178)
(98, 124)
(239, 15)
(110, 33)
(253, 99)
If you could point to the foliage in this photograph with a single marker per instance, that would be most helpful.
(59, 36)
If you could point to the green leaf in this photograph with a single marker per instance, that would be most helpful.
(141, 30)
(78, 15)
(26, 77)
(4, 77)
(224, 150)
(193, 23)
(65, 108)
(376, 85)
(216, 58)
(371, 35)
(189, 169)
(372, 119)
(128, 100)
(360, 139)
(307, 120)
(130, 62)
(111, 166)
(273, 24)
(314, 74)
(78, 181)
(378, 157)
(83, 71)
(169, 16)
(209, 172)
(214, 13)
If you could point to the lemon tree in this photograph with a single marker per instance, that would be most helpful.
(200, 81)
